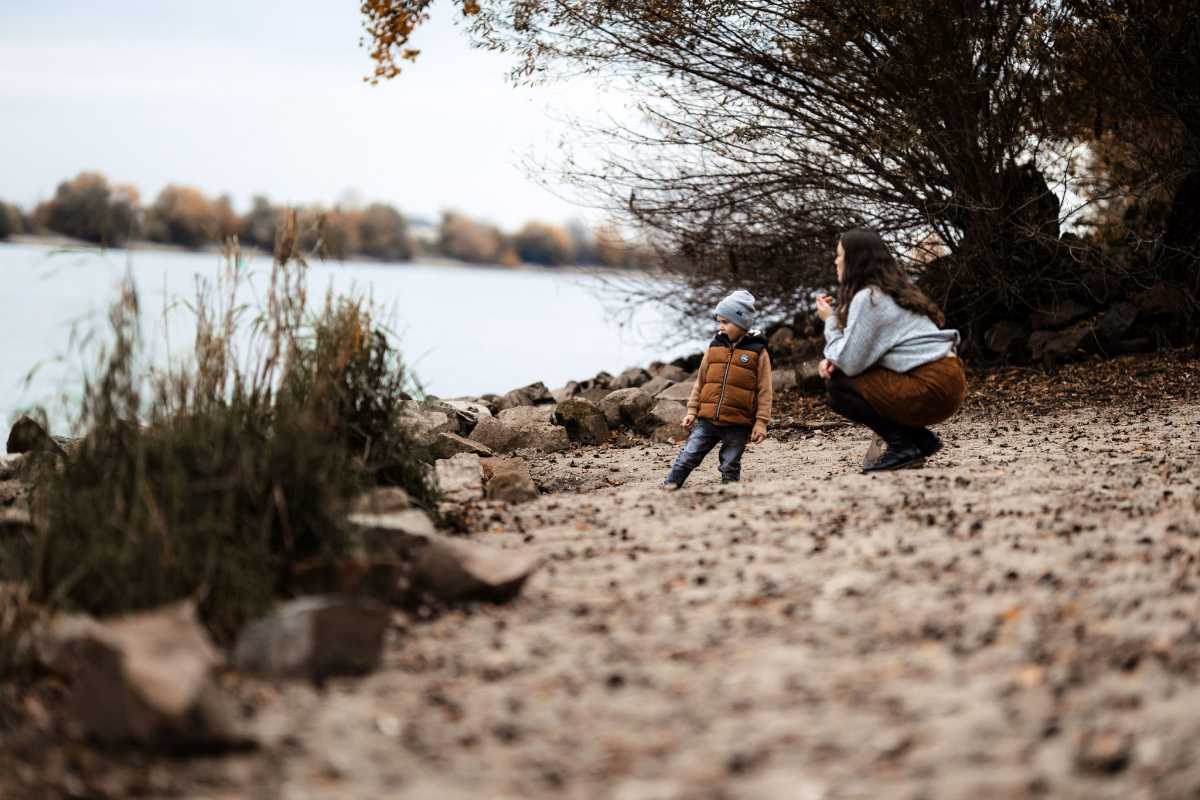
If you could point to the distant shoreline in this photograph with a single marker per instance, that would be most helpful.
(143, 246)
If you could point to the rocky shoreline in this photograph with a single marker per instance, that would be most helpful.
(572, 631)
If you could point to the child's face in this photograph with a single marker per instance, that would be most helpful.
(840, 262)
(733, 331)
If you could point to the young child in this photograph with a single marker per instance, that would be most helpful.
(730, 403)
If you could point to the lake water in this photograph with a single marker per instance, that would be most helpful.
(462, 330)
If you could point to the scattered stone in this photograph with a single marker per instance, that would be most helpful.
(1104, 751)
(630, 378)
(656, 385)
(12, 465)
(1006, 337)
(671, 372)
(28, 436)
(460, 478)
(664, 422)
(522, 427)
(783, 379)
(808, 377)
(680, 392)
(315, 638)
(383, 500)
(454, 570)
(531, 395)
(1051, 346)
(626, 407)
(782, 341)
(424, 425)
(508, 480)
(448, 445)
(595, 393)
(462, 420)
(584, 420)
(145, 678)
(1116, 322)
(470, 409)
(412, 521)
(1159, 299)
(572, 389)
(1059, 315)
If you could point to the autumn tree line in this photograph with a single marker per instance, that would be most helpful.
(1023, 157)
(90, 208)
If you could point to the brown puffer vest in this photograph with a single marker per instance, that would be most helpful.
(729, 394)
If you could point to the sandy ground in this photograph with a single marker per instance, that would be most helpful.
(1017, 619)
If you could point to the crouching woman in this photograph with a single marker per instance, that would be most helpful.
(888, 363)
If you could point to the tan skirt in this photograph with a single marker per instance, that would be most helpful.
(926, 395)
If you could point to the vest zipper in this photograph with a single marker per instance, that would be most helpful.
(724, 380)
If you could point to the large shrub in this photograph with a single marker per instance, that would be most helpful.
(87, 207)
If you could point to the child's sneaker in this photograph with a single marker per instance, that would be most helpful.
(668, 486)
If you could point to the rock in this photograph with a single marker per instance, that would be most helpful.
(1049, 346)
(664, 422)
(382, 500)
(1159, 299)
(315, 638)
(583, 420)
(531, 395)
(412, 521)
(1104, 751)
(1100, 285)
(601, 380)
(12, 465)
(783, 340)
(1116, 322)
(595, 393)
(1059, 315)
(462, 421)
(680, 392)
(460, 478)
(808, 377)
(146, 678)
(572, 389)
(423, 425)
(1006, 337)
(630, 378)
(508, 480)
(522, 427)
(448, 445)
(470, 411)
(454, 570)
(15, 522)
(783, 379)
(656, 385)
(626, 407)
(450, 569)
(671, 372)
(28, 436)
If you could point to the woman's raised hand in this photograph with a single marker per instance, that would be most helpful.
(824, 307)
(825, 368)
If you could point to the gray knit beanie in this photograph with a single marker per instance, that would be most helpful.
(738, 308)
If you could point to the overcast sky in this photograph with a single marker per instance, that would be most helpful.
(266, 96)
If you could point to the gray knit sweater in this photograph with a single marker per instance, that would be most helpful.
(880, 332)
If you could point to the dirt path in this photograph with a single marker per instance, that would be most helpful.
(1017, 619)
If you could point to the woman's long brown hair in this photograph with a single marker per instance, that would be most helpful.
(870, 263)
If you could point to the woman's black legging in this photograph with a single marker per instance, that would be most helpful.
(847, 400)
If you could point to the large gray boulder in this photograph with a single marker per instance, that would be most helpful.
(656, 385)
(670, 372)
(315, 638)
(470, 411)
(531, 395)
(522, 427)
(626, 407)
(783, 379)
(634, 376)
(583, 420)
(146, 678)
(680, 392)
(664, 422)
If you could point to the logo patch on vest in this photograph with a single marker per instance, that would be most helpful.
(745, 359)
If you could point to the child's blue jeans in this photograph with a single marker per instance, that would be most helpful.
(704, 437)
